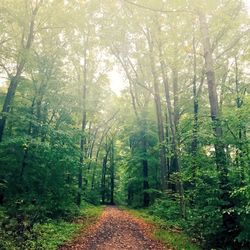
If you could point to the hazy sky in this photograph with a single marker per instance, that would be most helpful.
(248, 5)
(117, 82)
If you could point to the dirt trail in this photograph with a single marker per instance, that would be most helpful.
(116, 230)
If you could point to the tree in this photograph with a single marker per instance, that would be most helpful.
(26, 43)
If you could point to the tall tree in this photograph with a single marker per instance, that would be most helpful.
(26, 43)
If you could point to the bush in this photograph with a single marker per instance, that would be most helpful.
(166, 209)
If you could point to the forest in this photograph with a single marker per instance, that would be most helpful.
(129, 105)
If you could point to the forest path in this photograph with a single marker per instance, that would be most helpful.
(117, 230)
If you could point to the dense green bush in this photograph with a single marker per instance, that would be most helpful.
(22, 233)
(42, 186)
(166, 209)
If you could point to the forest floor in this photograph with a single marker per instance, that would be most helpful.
(116, 229)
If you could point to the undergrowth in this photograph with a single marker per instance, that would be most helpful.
(49, 234)
(167, 232)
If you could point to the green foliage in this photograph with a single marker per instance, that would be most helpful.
(39, 189)
(22, 233)
(64, 114)
(50, 235)
(89, 211)
(169, 233)
(178, 240)
(242, 209)
(166, 209)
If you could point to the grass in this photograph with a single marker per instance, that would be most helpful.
(53, 233)
(172, 237)
(57, 233)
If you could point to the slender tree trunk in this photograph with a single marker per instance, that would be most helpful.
(194, 145)
(103, 181)
(92, 148)
(98, 152)
(24, 161)
(104, 171)
(240, 147)
(176, 97)
(146, 198)
(7, 103)
(80, 170)
(130, 195)
(26, 147)
(176, 158)
(83, 136)
(175, 162)
(82, 147)
(168, 148)
(220, 155)
(112, 173)
(158, 107)
(173, 121)
(213, 100)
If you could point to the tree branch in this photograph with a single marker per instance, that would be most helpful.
(157, 10)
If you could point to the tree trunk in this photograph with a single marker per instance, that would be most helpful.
(213, 100)
(83, 137)
(220, 155)
(7, 102)
(176, 98)
(15, 80)
(146, 198)
(240, 151)
(103, 181)
(105, 132)
(168, 148)
(26, 147)
(194, 145)
(158, 107)
(177, 185)
(175, 161)
(112, 174)
(104, 170)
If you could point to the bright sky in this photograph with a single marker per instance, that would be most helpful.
(247, 2)
(117, 82)
(2, 80)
